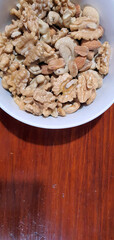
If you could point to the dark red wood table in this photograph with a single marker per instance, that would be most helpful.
(57, 184)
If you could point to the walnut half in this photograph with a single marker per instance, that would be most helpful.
(102, 59)
(87, 83)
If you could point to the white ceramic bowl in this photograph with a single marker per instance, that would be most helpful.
(105, 95)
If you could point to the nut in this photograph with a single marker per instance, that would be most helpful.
(86, 66)
(81, 50)
(92, 13)
(60, 83)
(91, 45)
(67, 18)
(66, 49)
(103, 57)
(72, 82)
(68, 42)
(80, 62)
(65, 53)
(88, 34)
(71, 108)
(43, 97)
(54, 18)
(46, 70)
(61, 112)
(55, 64)
(40, 79)
(4, 62)
(59, 34)
(43, 27)
(52, 32)
(78, 10)
(82, 23)
(34, 69)
(92, 97)
(15, 34)
(90, 55)
(61, 71)
(73, 68)
(93, 64)
(87, 84)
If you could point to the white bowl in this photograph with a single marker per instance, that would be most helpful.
(105, 95)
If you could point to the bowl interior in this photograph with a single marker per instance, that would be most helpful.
(105, 95)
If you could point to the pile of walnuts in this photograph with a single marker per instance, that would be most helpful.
(51, 59)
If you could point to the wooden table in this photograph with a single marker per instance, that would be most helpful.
(56, 184)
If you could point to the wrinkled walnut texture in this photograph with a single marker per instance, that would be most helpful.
(51, 59)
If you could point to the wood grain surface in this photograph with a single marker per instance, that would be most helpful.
(57, 184)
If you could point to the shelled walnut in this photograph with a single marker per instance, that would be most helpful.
(51, 57)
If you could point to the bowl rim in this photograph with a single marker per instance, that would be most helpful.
(68, 125)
